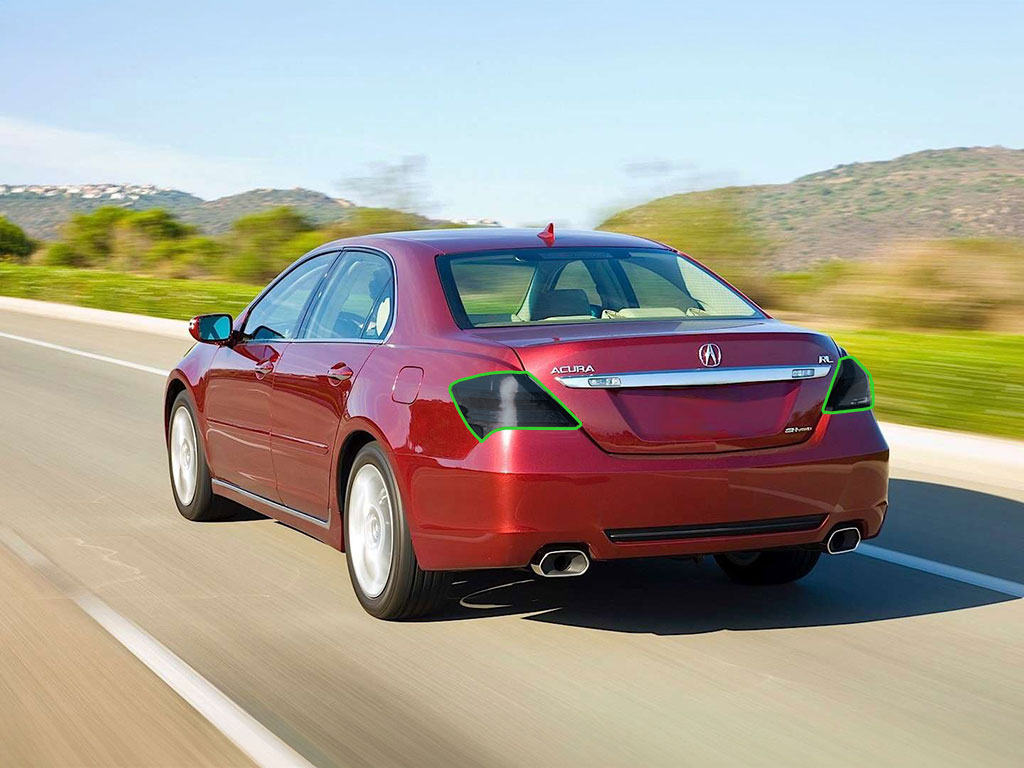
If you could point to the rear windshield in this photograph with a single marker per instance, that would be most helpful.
(583, 285)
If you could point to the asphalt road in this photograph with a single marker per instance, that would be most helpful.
(654, 663)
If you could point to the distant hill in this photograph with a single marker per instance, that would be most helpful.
(216, 215)
(848, 211)
(41, 209)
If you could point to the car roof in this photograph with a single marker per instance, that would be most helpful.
(494, 238)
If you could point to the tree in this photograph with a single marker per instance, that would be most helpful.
(398, 185)
(135, 236)
(262, 243)
(368, 221)
(89, 236)
(15, 245)
(116, 238)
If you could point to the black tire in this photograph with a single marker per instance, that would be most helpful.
(204, 505)
(410, 592)
(769, 566)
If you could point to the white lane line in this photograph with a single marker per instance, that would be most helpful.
(974, 578)
(81, 353)
(247, 733)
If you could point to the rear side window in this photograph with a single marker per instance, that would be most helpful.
(357, 301)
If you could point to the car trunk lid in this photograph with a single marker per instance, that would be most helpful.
(662, 389)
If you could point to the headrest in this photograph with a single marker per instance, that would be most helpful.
(564, 302)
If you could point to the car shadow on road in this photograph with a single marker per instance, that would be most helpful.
(666, 596)
(233, 512)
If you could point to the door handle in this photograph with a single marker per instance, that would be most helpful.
(339, 373)
(262, 369)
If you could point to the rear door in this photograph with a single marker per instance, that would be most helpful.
(241, 377)
(314, 377)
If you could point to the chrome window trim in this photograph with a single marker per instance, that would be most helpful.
(335, 341)
(694, 377)
(273, 504)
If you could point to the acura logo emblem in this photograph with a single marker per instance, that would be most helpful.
(710, 355)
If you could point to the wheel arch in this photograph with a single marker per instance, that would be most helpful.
(353, 442)
(175, 386)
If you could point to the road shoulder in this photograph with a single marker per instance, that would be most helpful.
(73, 696)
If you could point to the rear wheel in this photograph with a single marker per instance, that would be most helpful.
(381, 562)
(186, 460)
(769, 566)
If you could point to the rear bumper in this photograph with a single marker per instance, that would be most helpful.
(518, 492)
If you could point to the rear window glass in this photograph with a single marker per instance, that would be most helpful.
(562, 285)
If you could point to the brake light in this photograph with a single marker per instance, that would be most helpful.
(851, 388)
(491, 402)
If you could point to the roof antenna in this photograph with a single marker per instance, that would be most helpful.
(548, 235)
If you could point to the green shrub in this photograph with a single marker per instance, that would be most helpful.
(15, 245)
(261, 244)
(90, 235)
(190, 257)
(945, 284)
(62, 255)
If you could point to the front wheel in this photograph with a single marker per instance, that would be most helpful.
(769, 566)
(381, 562)
(186, 460)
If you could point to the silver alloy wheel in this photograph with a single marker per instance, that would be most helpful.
(370, 530)
(184, 456)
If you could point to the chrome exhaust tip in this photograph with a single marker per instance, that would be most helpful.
(561, 563)
(843, 540)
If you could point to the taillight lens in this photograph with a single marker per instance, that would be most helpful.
(491, 402)
(851, 388)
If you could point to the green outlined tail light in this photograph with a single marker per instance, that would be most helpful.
(851, 388)
(491, 402)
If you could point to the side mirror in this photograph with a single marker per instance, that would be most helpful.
(210, 329)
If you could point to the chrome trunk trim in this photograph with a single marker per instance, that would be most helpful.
(695, 377)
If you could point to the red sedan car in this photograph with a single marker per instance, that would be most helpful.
(438, 401)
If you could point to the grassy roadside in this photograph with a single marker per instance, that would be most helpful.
(176, 299)
(970, 381)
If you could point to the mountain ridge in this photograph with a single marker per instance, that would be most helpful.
(41, 209)
(851, 210)
(847, 211)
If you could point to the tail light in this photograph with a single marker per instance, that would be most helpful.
(490, 402)
(851, 388)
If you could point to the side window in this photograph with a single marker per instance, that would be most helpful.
(576, 275)
(278, 313)
(357, 302)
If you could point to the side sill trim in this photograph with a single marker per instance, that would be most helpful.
(272, 504)
(695, 377)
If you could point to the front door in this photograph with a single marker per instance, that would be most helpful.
(317, 375)
(241, 379)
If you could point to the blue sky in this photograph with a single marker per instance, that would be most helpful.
(525, 111)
